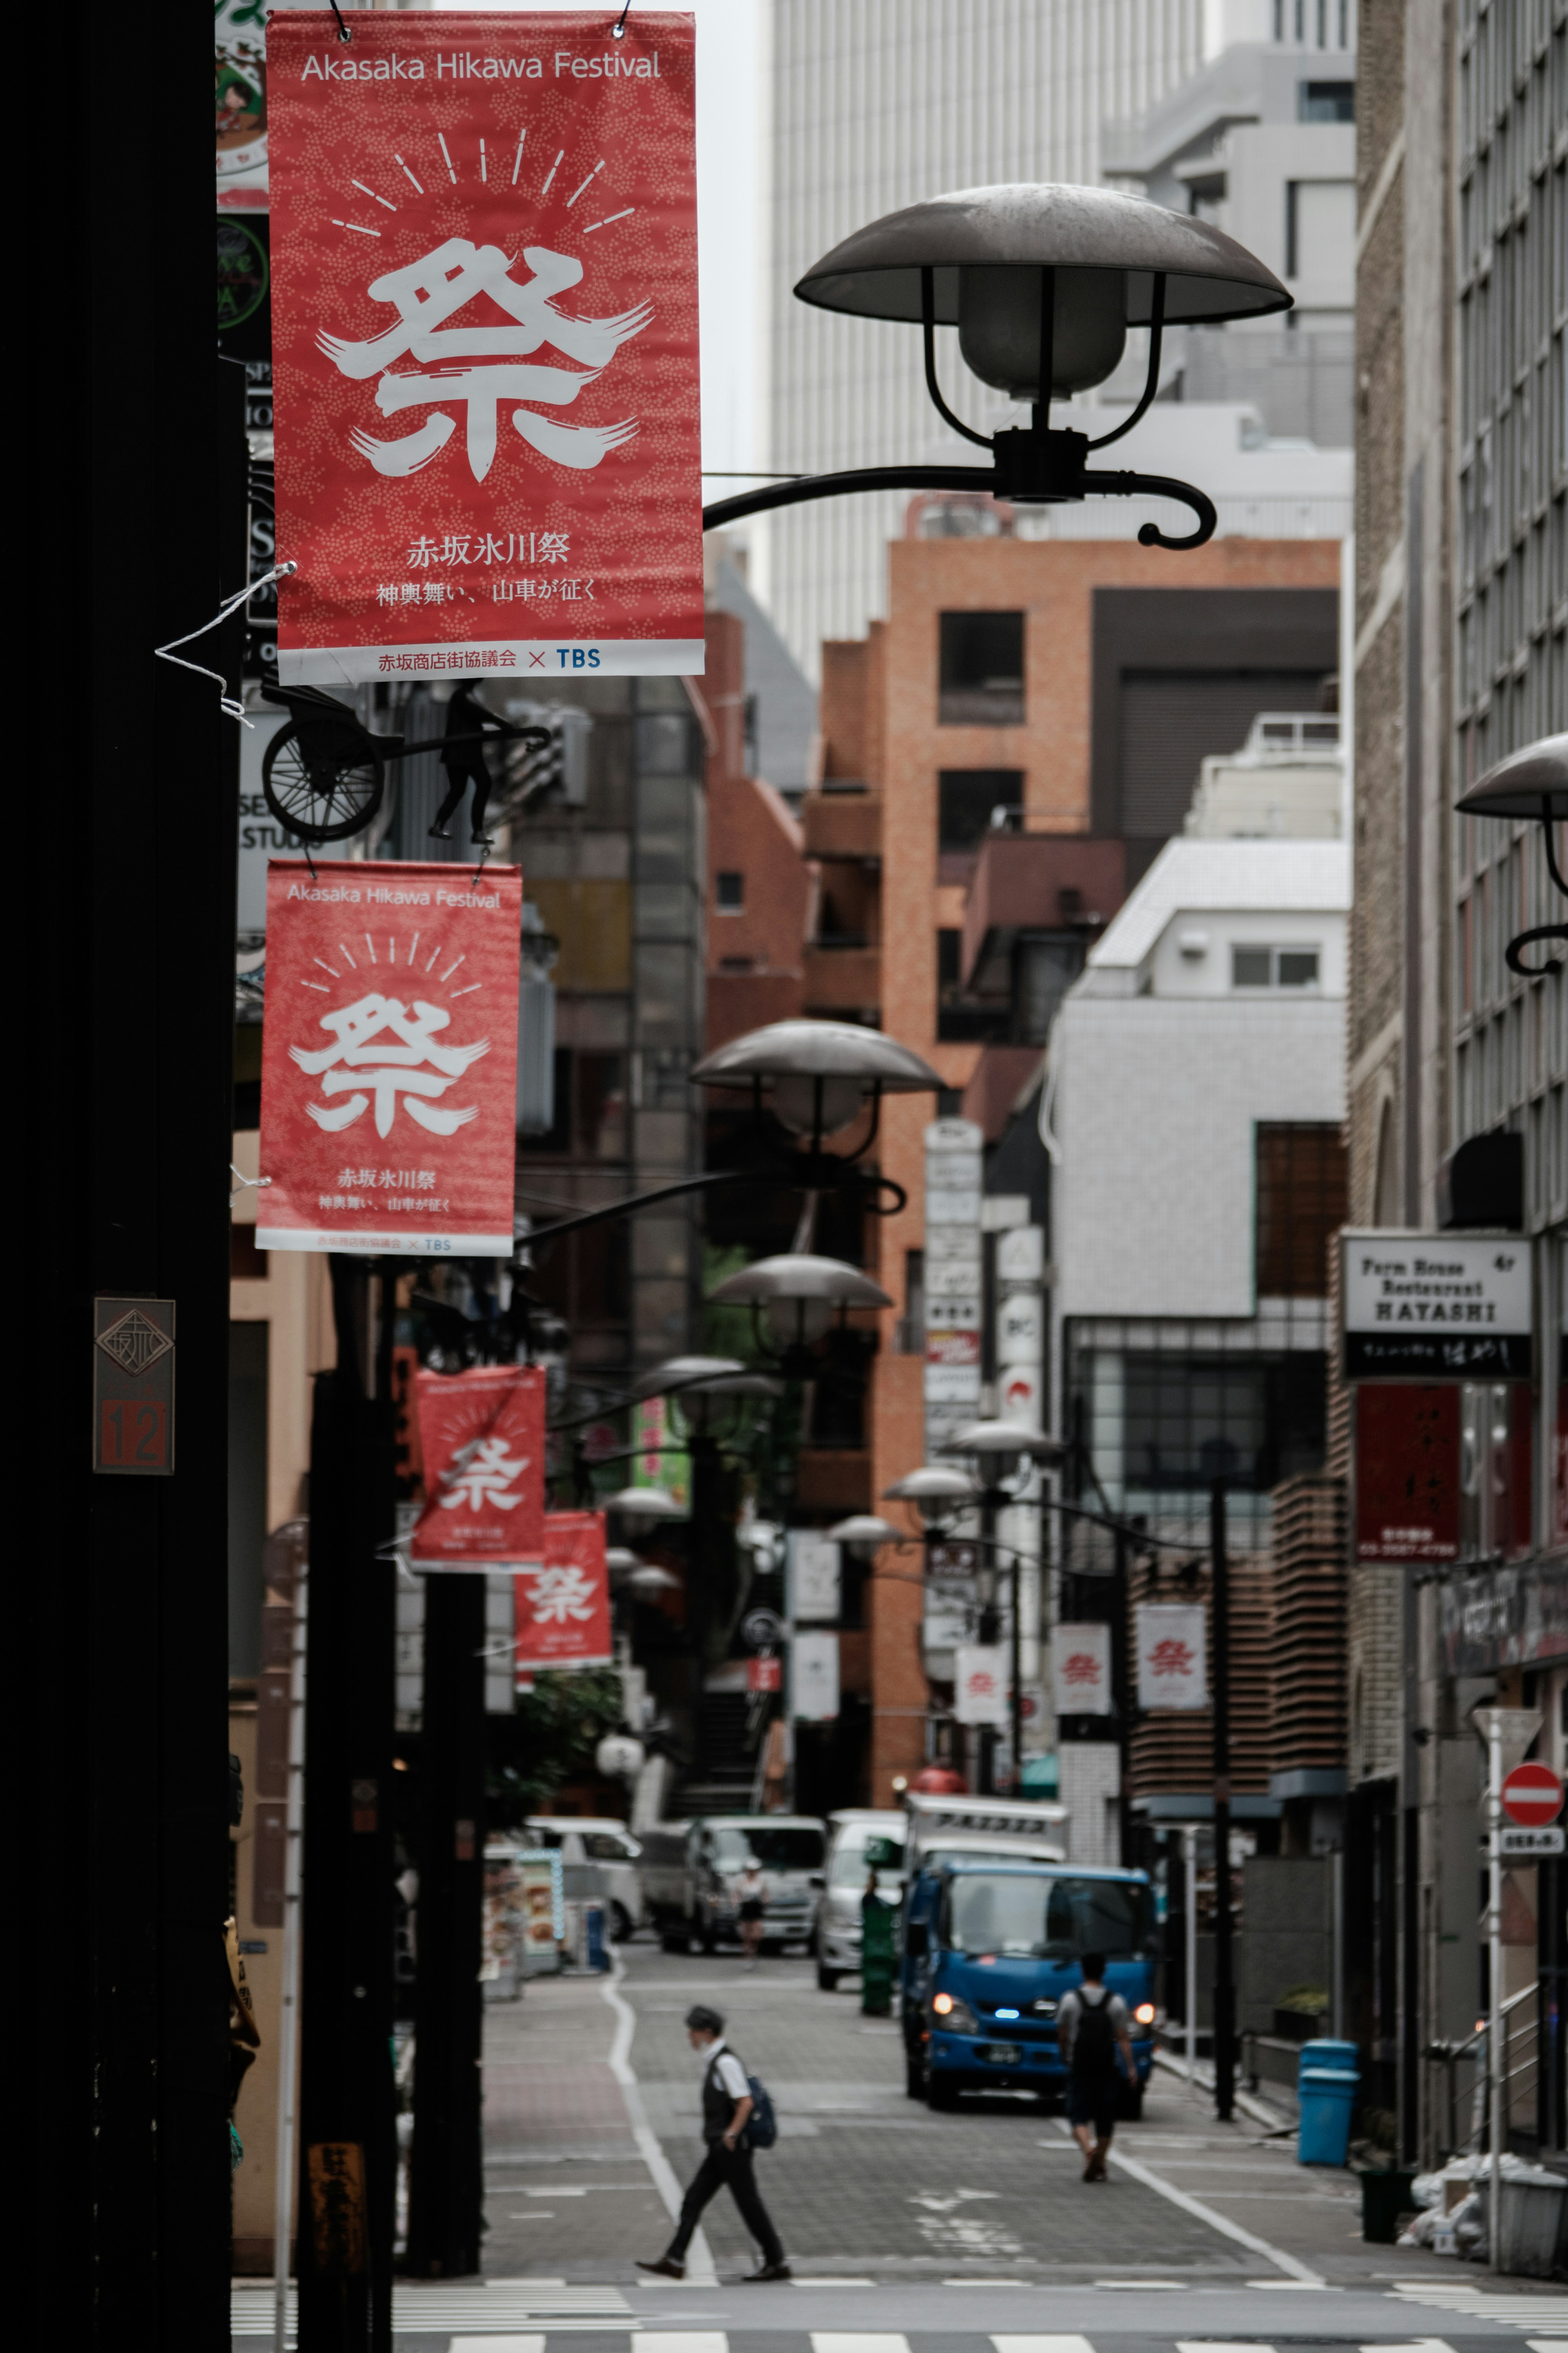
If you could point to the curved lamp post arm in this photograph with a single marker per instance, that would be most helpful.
(832, 486)
(1043, 469)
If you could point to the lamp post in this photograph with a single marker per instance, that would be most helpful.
(1529, 786)
(998, 1451)
(1043, 283)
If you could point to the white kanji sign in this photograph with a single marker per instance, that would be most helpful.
(388, 1071)
(1170, 1655)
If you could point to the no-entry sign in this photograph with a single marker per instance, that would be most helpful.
(1532, 1796)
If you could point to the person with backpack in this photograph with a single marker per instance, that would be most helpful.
(1092, 2031)
(737, 2115)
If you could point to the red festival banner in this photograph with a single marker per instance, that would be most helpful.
(484, 336)
(561, 1610)
(389, 1058)
(482, 1435)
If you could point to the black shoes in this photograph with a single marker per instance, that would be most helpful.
(440, 833)
(663, 2269)
(766, 2272)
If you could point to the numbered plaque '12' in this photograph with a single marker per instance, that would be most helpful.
(133, 1385)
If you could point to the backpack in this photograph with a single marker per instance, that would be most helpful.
(761, 2125)
(1094, 2037)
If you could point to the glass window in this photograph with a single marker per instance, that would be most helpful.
(1250, 968)
(1045, 1919)
(770, 1850)
(1326, 101)
(982, 673)
(603, 1846)
(966, 799)
(848, 1868)
(1255, 968)
(729, 893)
(1298, 968)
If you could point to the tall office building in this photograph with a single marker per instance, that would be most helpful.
(870, 107)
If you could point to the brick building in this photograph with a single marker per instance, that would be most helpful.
(999, 759)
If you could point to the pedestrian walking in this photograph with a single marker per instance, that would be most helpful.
(727, 2105)
(1092, 2031)
(751, 1906)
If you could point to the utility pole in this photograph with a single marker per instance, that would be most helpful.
(445, 2187)
(1494, 1986)
(348, 2153)
(1224, 1950)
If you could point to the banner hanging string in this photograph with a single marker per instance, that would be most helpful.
(344, 32)
(226, 702)
(617, 32)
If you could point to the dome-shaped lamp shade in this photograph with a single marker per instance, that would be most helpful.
(986, 247)
(1531, 783)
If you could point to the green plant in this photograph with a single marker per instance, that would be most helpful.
(549, 1740)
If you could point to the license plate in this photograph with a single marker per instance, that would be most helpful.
(1001, 2054)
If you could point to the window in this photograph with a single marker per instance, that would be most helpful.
(981, 669)
(849, 1868)
(1319, 230)
(729, 893)
(962, 1020)
(733, 1848)
(1261, 968)
(1049, 1919)
(966, 798)
(1301, 1202)
(1325, 101)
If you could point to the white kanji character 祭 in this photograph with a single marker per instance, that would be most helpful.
(428, 292)
(561, 1595)
(397, 1072)
(554, 546)
(480, 1474)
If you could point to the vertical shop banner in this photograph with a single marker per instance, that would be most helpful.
(485, 371)
(482, 1437)
(982, 1688)
(389, 1058)
(1171, 1655)
(562, 1612)
(1407, 1470)
(1080, 1669)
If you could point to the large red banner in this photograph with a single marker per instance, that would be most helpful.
(484, 335)
(1406, 1471)
(389, 1058)
(561, 1610)
(482, 1436)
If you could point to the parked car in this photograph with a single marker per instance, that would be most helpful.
(836, 1919)
(610, 1845)
(689, 1874)
(989, 1949)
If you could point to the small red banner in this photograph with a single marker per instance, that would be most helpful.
(482, 1437)
(389, 1058)
(561, 1608)
(484, 336)
(764, 1674)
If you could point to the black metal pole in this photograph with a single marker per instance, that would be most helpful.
(1223, 1949)
(445, 2187)
(1016, 1678)
(348, 2135)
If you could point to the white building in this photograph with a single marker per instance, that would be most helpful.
(881, 104)
(1192, 1113)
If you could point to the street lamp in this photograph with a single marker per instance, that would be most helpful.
(796, 1295)
(1042, 282)
(863, 1534)
(1529, 784)
(938, 1494)
(818, 1078)
(999, 1449)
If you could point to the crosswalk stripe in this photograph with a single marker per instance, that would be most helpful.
(496, 2345)
(1042, 2344)
(1208, 2345)
(836, 2340)
(689, 2340)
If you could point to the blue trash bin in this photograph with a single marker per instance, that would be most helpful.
(594, 1922)
(1327, 2096)
(1344, 2057)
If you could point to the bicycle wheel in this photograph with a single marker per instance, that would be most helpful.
(315, 800)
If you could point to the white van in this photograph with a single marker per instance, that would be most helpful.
(836, 1926)
(600, 1839)
(691, 1868)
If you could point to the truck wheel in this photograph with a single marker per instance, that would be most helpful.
(941, 2092)
(671, 1942)
(826, 1979)
(620, 1924)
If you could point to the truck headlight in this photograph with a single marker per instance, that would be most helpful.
(955, 2015)
(1144, 2013)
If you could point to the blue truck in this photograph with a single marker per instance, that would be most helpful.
(990, 1946)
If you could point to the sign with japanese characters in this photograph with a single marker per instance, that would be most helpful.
(1170, 1655)
(1080, 1669)
(1450, 1307)
(982, 1691)
(1407, 1470)
(561, 1610)
(812, 1576)
(485, 370)
(389, 1058)
(814, 1678)
(482, 1434)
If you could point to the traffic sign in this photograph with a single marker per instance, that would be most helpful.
(1532, 1796)
(1518, 1843)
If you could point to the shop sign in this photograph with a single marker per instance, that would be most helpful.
(1080, 1669)
(484, 345)
(1172, 1654)
(1407, 1472)
(981, 1686)
(1420, 1306)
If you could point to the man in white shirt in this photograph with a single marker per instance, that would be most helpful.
(727, 2103)
(1092, 2031)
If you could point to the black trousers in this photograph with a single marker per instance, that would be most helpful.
(459, 779)
(719, 2169)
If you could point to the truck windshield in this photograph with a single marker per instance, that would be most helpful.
(799, 1850)
(1045, 1919)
